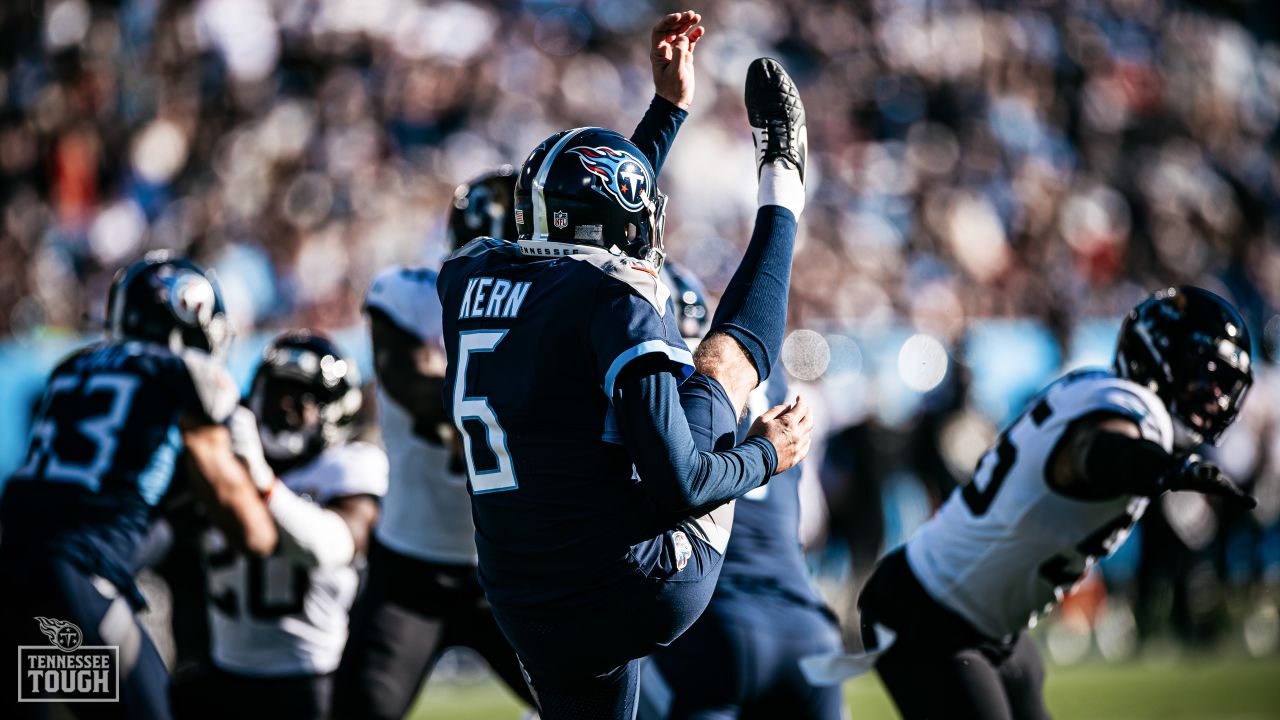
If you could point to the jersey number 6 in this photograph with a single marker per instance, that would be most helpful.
(502, 475)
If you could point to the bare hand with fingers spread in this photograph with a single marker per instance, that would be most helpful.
(672, 42)
(789, 427)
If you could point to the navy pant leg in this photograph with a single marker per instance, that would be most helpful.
(55, 588)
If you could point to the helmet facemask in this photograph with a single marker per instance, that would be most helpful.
(1191, 349)
(305, 400)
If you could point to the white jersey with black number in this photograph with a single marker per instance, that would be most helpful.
(1007, 546)
(271, 617)
(427, 512)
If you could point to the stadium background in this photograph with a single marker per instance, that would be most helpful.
(992, 184)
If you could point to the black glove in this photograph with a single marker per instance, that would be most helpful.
(1196, 475)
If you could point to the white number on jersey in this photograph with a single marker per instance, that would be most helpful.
(503, 476)
(101, 429)
(273, 587)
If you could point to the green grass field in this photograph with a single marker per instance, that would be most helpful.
(1199, 689)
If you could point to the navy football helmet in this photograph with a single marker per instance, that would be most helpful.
(589, 187)
(170, 300)
(305, 394)
(484, 207)
(692, 317)
(1191, 348)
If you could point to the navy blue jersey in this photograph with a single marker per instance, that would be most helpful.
(764, 551)
(534, 347)
(103, 448)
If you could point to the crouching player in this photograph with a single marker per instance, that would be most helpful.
(1063, 485)
(278, 624)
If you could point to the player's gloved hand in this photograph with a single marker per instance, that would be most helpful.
(1196, 475)
(246, 443)
(671, 53)
(789, 427)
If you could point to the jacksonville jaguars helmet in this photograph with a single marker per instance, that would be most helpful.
(692, 317)
(589, 188)
(170, 300)
(306, 394)
(1191, 348)
(484, 207)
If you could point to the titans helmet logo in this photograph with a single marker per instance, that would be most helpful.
(623, 176)
(191, 296)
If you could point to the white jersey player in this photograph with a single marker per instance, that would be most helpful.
(1062, 486)
(421, 593)
(278, 624)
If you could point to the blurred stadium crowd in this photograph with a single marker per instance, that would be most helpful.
(993, 184)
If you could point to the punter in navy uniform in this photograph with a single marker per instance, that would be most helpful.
(601, 512)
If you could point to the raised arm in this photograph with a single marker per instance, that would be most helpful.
(411, 373)
(671, 53)
(408, 358)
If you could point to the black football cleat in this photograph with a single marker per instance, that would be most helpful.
(776, 114)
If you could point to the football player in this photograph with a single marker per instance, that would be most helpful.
(421, 594)
(1062, 486)
(741, 658)
(114, 419)
(278, 624)
(601, 509)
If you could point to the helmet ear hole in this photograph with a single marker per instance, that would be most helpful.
(632, 231)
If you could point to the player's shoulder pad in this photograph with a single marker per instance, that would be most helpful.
(638, 275)
(215, 390)
(407, 296)
(482, 246)
(356, 468)
(1104, 392)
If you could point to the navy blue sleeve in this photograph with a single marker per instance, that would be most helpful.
(657, 131)
(676, 474)
(627, 325)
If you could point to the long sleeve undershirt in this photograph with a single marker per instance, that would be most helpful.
(677, 475)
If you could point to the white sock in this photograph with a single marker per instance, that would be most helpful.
(780, 185)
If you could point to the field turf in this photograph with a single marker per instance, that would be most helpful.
(1190, 688)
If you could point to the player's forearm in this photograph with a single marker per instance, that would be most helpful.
(1112, 464)
(310, 535)
(677, 474)
(753, 309)
(229, 495)
(419, 394)
(657, 130)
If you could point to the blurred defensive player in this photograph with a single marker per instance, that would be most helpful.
(114, 419)
(741, 658)
(564, 373)
(421, 594)
(278, 624)
(1063, 485)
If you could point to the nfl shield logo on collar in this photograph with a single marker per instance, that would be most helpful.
(560, 219)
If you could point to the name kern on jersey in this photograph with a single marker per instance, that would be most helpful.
(559, 512)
